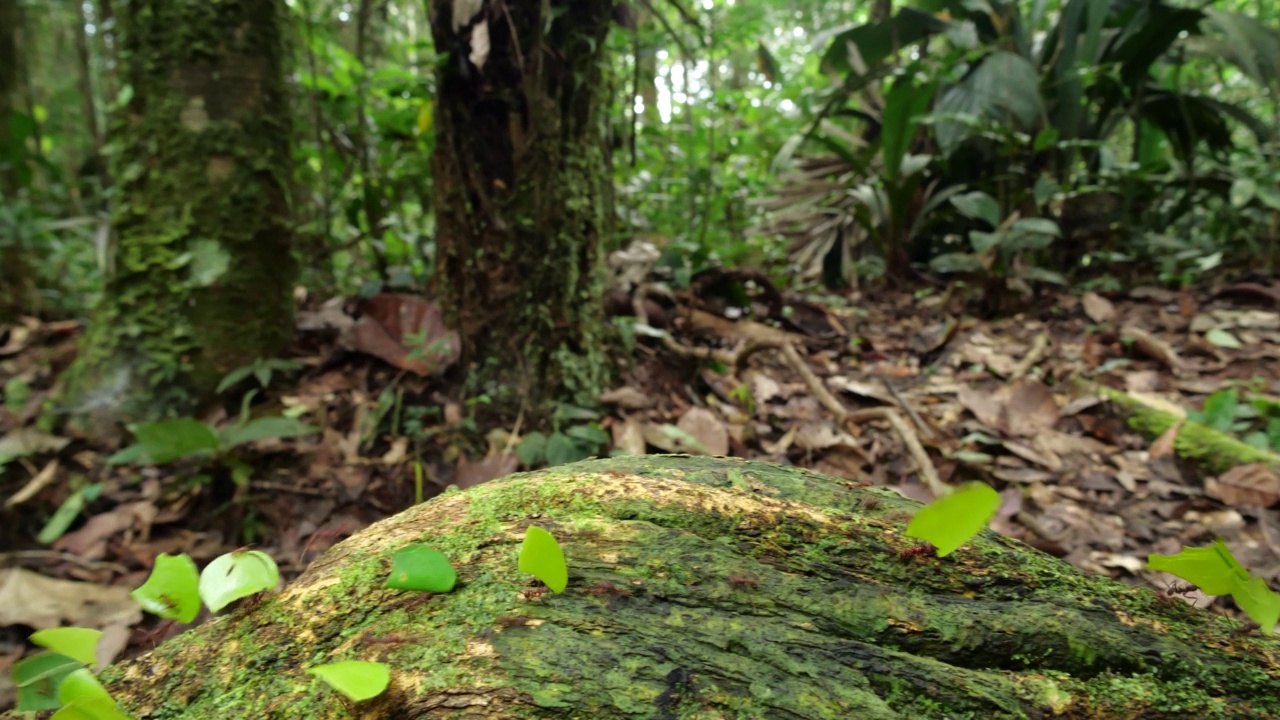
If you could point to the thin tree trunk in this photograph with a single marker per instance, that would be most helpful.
(202, 274)
(519, 175)
(14, 278)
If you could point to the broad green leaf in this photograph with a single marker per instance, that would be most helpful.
(171, 591)
(956, 262)
(80, 686)
(979, 206)
(236, 575)
(588, 433)
(532, 449)
(419, 567)
(1213, 569)
(263, 428)
(359, 680)
(952, 520)
(562, 449)
(67, 513)
(541, 556)
(207, 262)
(38, 677)
(1242, 191)
(1259, 602)
(77, 643)
(904, 105)
(168, 440)
(984, 241)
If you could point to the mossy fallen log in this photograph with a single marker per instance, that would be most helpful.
(707, 588)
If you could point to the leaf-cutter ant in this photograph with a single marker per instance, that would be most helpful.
(922, 550)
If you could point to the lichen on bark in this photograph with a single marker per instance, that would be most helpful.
(201, 276)
(705, 588)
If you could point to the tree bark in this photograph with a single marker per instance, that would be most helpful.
(201, 278)
(519, 175)
(15, 282)
(707, 588)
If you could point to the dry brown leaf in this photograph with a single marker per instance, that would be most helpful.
(1155, 348)
(1098, 308)
(1252, 485)
(707, 428)
(36, 601)
(1164, 445)
(405, 331)
(821, 435)
(90, 540)
(627, 398)
(1025, 408)
(35, 484)
(628, 436)
(471, 473)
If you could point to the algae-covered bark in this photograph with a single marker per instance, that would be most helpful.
(703, 588)
(200, 280)
(520, 180)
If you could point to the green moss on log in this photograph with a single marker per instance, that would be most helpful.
(706, 588)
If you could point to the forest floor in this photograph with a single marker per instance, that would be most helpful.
(892, 389)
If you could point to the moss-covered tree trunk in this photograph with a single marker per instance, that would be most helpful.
(201, 275)
(703, 588)
(519, 174)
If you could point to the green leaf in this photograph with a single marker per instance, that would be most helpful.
(984, 241)
(1213, 569)
(168, 440)
(66, 514)
(1242, 191)
(91, 710)
(954, 519)
(236, 575)
(80, 686)
(1220, 409)
(979, 206)
(38, 677)
(541, 557)
(77, 643)
(359, 680)
(588, 433)
(956, 262)
(1259, 602)
(1222, 339)
(208, 261)
(171, 591)
(562, 449)
(904, 105)
(532, 449)
(420, 567)
(263, 428)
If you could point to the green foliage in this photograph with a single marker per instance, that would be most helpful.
(358, 680)
(541, 557)
(68, 511)
(172, 589)
(1216, 571)
(37, 678)
(79, 644)
(420, 567)
(954, 519)
(576, 437)
(237, 575)
(261, 370)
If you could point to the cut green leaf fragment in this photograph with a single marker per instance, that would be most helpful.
(237, 575)
(359, 680)
(78, 643)
(953, 520)
(38, 678)
(420, 567)
(81, 687)
(1216, 571)
(1213, 569)
(172, 589)
(90, 710)
(541, 557)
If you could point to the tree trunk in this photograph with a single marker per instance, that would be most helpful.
(707, 588)
(202, 273)
(519, 175)
(15, 281)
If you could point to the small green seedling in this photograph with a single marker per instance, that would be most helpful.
(1216, 571)
(236, 575)
(359, 680)
(420, 567)
(541, 557)
(38, 677)
(172, 589)
(78, 643)
(954, 519)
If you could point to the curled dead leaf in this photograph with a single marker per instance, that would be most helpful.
(1251, 485)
